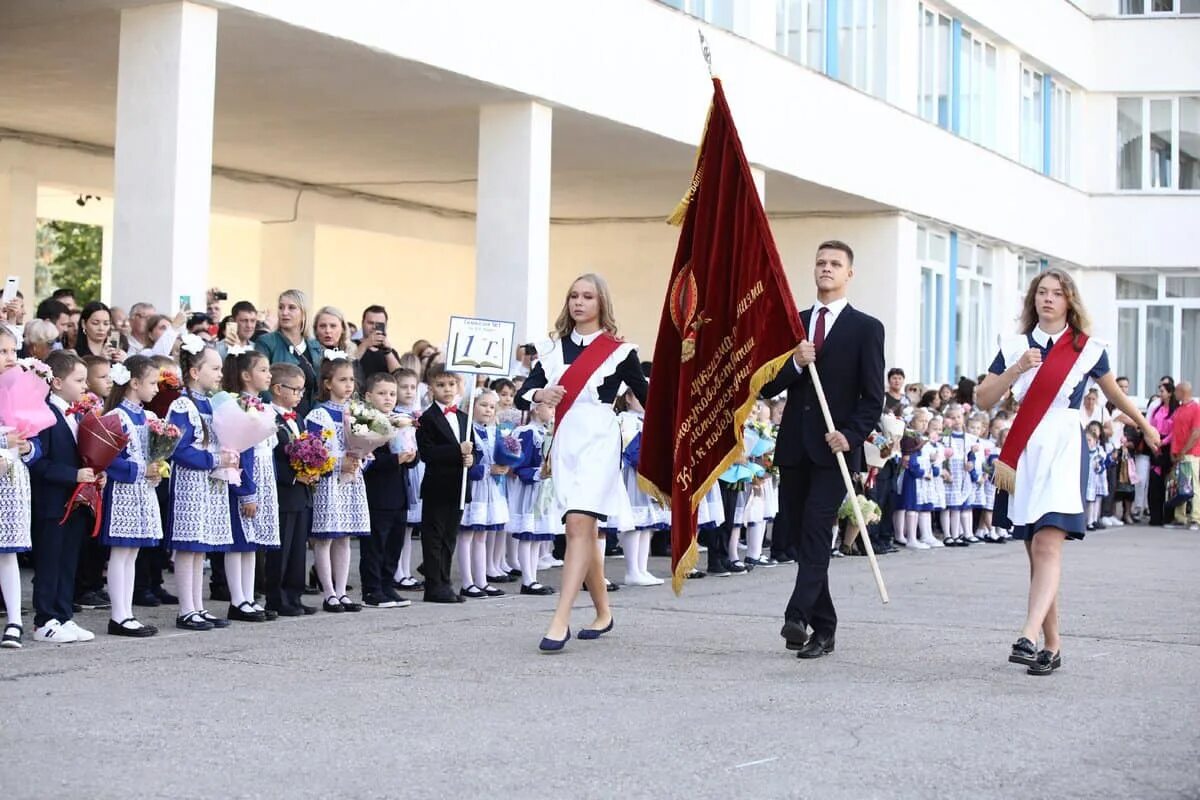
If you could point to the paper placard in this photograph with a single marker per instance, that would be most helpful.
(480, 346)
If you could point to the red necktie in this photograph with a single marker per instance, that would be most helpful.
(819, 333)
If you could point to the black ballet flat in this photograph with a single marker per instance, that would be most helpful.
(349, 605)
(536, 589)
(331, 605)
(246, 613)
(492, 591)
(472, 593)
(215, 621)
(595, 633)
(549, 645)
(193, 622)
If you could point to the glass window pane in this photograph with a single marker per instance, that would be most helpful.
(1163, 6)
(928, 65)
(922, 243)
(1183, 287)
(1129, 143)
(1189, 6)
(1127, 347)
(937, 248)
(927, 325)
(1189, 360)
(1133, 6)
(816, 35)
(1160, 144)
(945, 52)
(1189, 142)
(989, 98)
(862, 44)
(965, 72)
(1137, 286)
(1160, 342)
(845, 32)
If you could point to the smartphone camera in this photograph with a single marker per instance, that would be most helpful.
(220, 295)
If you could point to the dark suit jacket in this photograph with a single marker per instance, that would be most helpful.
(293, 496)
(53, 475)
(387, 481)
(851, 368)
(438, 447)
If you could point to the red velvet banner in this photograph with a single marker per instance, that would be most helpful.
(728, 324)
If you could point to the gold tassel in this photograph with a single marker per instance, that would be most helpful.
(680, 212)
(685, 567)
(1005, 477)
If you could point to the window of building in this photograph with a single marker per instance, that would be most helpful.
(1158, 7)
(933, 258)
(1028, 267)
(1060, 132)
(861, 44)
(1158, 328)
(1158, 143)
(934, 66)
(977, 89)
(976, 345)
(800, 31)
(714, 12)
(1033, 132)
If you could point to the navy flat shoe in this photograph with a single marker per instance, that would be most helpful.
(592, 633)
(548, 645)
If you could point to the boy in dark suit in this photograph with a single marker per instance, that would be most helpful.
(446, 445)
(387, 501)
(54, 477)
(285, 566)
(847, 347)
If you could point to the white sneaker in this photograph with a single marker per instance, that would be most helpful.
(637, 580)
(932, 543)
(81, 634)
(54, 632)
(651, 580)
(918, 545)
(1194, 527)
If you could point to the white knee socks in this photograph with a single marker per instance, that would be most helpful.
(339, 564)
(528, 555)
(754, 541)
(511, 559)
(404, 566)
(479, 559)
(233, 577)
(10, 586)
(324, 566)
(189, 581)
(121, 565)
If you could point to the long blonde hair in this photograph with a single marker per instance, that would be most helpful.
(608, 321)
(1077, 315)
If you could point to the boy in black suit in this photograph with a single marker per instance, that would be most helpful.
(847, 347)
(387, 501)
(54, 477)
(285, 566)
(446, 445)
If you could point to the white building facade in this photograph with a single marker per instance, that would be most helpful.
(469, 157)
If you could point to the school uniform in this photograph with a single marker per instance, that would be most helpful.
(387, 498)
(525, 523)
(198, 517)
(488, 507)
(55, 547)
(285, 564)
(441, 431)
(260, 532)
(960, 486)
(131, 514)
(340, 501)
(647, 513)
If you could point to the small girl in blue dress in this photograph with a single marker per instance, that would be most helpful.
(132, 519)
(525, 524)
(254, 505)
(340, 502)
(198, 512)
(484, 520)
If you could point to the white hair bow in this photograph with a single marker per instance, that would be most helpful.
(192, 343)
(238, 350)
(336, 355)
(119, 374)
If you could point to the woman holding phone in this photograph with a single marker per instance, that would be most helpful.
(97, 335)
(289, 345)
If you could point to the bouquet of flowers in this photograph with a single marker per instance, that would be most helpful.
(404, 438)
(164, 438)
(366, 429)
(309, 455)
(169, 390)
(240, 422)
(507, 452)
(23, 398)
(101, 440)
(88, 404)
(870, 510)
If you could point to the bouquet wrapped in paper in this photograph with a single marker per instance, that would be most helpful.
(507, 452)
(101, 440)
(169, 390)
(23, 398)
(309, 455)
(88, 404)
(404, 436)
(164, 438)
(240, 422)
(366, 429)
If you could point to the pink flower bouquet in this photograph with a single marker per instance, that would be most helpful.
(240, 423)
(23, 391)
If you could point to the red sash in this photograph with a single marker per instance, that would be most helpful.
(581, 370)
(1041, 394)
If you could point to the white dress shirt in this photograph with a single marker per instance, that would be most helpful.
(835, 310)
(292, 426)
(453, 420)
(62, 406)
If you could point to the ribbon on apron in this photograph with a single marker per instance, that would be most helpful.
(576, 377)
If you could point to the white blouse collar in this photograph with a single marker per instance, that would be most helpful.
(584, 340)
(1041, 337)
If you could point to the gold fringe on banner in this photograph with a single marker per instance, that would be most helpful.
(680, 211)
(761, 377)
(1005, 477)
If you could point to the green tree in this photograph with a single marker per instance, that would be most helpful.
(74, 250)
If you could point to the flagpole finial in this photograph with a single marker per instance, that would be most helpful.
(704, 51)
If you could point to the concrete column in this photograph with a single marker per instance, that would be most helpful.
(512, 226)
(106, 254)
(18, 230)
(163, 161)
(287, 260)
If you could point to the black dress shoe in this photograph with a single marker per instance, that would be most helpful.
(123, 628)
(216, 622)
(795, 633)
(816, 647)
(492, 591)
(331, 605)
(447, 597)
(270, 613)
(1046, 663)
(537, 589)
(288, 611)
(472, 593)
(193, 622)
(246, 613)
(145, 599)
(308, 611)
(165, 597)
(500, 578)
(1024, 652)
